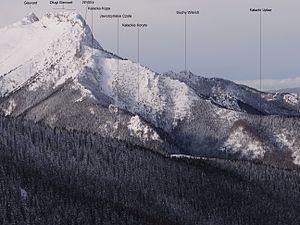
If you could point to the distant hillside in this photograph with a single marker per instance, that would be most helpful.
(290, 90)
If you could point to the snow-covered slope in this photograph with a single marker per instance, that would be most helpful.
(53, 70)
(241, 98)
(29, 50)
(60, 47)
(242, 137)
(55, 62)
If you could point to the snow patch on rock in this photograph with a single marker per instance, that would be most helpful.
(11, 106)
(296, 157)
(113, 108)
(52, 120)
(92, 111)
(30, 18)
(239, 141)
(282, 138)
(291, 99)
(141, 130)
(85, 93)
(286, 139)
(110, 128)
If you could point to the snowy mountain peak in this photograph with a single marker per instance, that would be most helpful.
(55, 43)
(60, 48)
(73, 23)
(66, 17)
(29, 18)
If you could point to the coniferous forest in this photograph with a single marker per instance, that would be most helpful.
(54, 176)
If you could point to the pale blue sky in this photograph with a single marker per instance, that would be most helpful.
(222, 40)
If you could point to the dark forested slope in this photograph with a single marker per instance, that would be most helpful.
(59, 177)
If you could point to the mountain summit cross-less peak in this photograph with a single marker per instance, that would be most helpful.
(30, 18)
